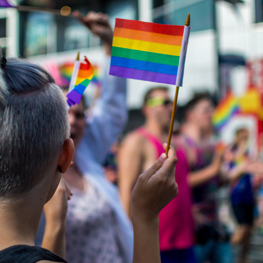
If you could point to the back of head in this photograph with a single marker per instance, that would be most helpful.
(33, 125)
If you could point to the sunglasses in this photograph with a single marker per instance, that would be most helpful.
(157, 101)
(79, 115)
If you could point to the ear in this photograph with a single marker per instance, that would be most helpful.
(146, 111)
(66, 155)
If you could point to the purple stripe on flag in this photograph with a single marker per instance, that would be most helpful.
(74, 96)
(5, 3)
(142, 75)
(70, 102)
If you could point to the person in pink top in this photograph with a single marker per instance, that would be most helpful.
(143, 146)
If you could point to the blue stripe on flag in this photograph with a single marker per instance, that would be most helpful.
(144, 65)
(80, 88)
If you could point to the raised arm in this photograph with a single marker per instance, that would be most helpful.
(129, 168)
(207, 173)
(109, 115)
(154, 189)
(55, 213)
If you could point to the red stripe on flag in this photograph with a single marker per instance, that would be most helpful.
(150, 27)
(84, 66)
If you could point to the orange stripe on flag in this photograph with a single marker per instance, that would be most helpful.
(85, 73)
(148, 36)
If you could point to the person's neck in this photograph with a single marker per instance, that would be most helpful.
(193, 132)
(156, 130)
(19, 219)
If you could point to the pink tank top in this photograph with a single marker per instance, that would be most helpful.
(176, 224)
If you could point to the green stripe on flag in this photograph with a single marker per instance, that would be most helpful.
(145, 56)
(85, 82)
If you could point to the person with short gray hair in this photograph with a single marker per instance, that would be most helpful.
(35, 149)
(22, 101)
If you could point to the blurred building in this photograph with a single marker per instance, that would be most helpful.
(226, 33)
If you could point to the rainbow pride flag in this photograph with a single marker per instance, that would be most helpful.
(226, 109)
(240, 160)
(81, 77)
(66, 70)
(5, 3)
(149, 51)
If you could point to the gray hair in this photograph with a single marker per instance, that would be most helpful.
(33, 125)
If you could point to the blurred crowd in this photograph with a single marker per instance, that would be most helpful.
(115, 189)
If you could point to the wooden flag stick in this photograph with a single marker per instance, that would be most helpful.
(187, 23)
(40, 9)
(172, 120)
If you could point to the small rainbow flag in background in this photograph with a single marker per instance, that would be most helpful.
(225, 110)
(81, 77)
(66, 70)
(5, 3)
(240, 160)
(149, 51)
(96, 80)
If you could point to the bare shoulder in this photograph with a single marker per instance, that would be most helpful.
(46, 261)
(133, 140)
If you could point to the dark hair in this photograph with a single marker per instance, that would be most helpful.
(148, 94)
(195, 100)
(240, 129)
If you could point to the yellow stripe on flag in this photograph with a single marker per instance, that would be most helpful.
(146, 46)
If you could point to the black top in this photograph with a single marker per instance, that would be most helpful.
(27, 254)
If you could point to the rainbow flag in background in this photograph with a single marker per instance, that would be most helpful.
(149, 51)
(225, 110)
(251, 102)
(5, 3)
(81, 77)
(96, 80)
(240, 160)
(66, 70)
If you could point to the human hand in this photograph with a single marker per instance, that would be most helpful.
(253, 167)
(56, 208)
(217, 162)
(99, 25)
(154, 189)
(55, 212)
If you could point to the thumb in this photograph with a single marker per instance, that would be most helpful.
(155, 167)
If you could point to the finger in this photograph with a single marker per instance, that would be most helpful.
(171, 152)
(155, 167)
(165, 146)
(168, 166)
(86, 20)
